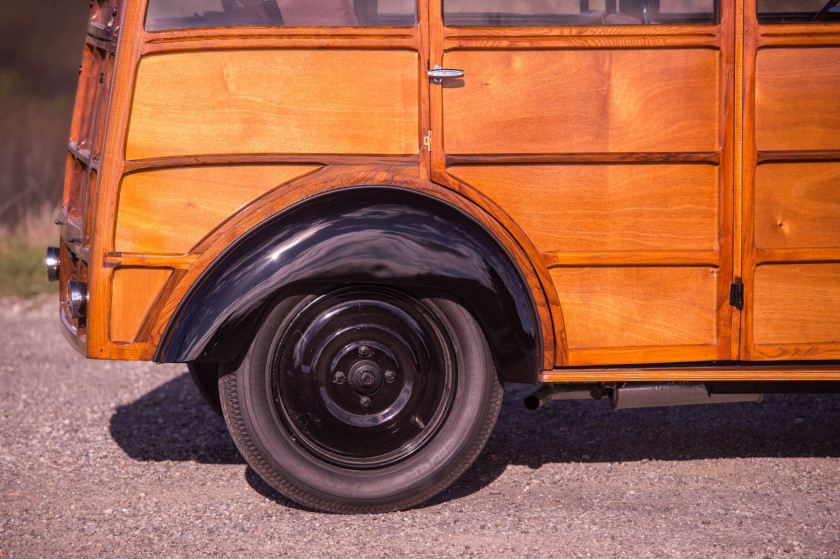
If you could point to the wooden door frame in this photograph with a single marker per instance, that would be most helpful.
(756, 37)
(722, 38)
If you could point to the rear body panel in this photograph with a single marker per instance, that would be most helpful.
(633, 173)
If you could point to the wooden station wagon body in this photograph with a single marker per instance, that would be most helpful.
(610, 192)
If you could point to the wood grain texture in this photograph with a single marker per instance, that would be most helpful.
(133, 291)
(112, 162)
(725, 373)
(796, 98)
(790, 116)
(169, 211)
(807, 351)
(555, 326)
(797, 205)
(802, 34)
(802, 255)
(731, 139)
(175, 262)
(602, 259)
(797, 304)
(326, 180)
(305, 101)
(595, 37)
(797, 156)
(618, 101)
(266, 159)
(595, 357)
(747, 45)
(605, 207)
(625, 307)
(670, 99)
(712, 157)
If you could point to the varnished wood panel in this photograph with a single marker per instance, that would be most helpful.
(171, 210)
(111, 171)
(582, 101)
(605, 207)
(712, 157)
(276, 101)
(726, 373)
(133, 290)
(797, 205)
(797, 303)
(328, 179)
(796, 99)
(595, 357)
(624, 307)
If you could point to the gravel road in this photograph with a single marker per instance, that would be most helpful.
(125, 459)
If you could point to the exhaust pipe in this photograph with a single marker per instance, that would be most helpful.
(638, 394)
(650, 395)
(562, 392)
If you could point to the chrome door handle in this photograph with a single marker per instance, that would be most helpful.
(438, 74)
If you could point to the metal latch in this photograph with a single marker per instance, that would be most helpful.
(427, 141)
(438, 74)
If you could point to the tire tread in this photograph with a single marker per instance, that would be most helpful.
(228, 390)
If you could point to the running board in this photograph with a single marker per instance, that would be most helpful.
(694, 372)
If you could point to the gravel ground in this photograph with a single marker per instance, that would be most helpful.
(109, 458)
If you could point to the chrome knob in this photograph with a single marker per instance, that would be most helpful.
(52, 261)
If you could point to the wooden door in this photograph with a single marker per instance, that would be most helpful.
(791, 177)
(612, 147)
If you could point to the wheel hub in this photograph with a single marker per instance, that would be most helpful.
(364, 378)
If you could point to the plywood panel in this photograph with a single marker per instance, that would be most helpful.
(169, 211)
(582, 101)
(797, 205)
(796, 99)
(133, 290)
(797, 303)
(620, 307)
(606, 207)
(304, 101)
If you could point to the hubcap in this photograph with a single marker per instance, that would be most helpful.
(363, 378)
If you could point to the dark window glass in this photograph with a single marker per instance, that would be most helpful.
(191, 14)
(798, 11)
(554, 13)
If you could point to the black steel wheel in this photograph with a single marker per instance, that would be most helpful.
(363, 400)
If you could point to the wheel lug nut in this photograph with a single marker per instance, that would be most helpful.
(364, 351)
(390, 376)
(339, 378)
(364, 401)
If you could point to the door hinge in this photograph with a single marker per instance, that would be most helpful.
(736, 294)
(427, 141)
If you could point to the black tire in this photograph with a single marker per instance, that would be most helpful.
(303, 432)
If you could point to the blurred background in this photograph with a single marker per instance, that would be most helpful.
(40, 51)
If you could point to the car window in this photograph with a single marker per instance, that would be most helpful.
(553, 13)
(798, 11)
(190, 14)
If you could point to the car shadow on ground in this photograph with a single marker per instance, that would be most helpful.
(172, 422)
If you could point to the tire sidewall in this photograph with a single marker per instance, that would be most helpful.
(293, 471)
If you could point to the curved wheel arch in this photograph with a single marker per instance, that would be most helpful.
(320, 185)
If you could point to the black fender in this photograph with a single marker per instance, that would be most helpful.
(383, 236)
